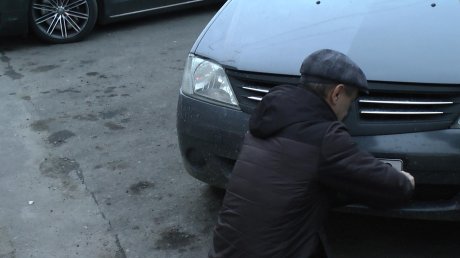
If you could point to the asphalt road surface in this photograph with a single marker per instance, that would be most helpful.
(89, 160)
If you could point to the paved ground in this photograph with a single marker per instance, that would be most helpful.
(90, 165)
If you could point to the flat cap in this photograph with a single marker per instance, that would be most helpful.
(329, 65)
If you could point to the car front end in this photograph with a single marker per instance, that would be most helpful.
(410, 118)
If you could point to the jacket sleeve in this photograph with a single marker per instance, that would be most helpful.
(356, 173)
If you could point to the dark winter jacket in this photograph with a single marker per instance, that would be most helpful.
(294, 159)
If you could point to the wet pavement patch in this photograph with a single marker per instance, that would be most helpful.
(98, 166)
(65, 169)
(6, 245)
(71, 90)
(87, 61)
(4, 58)
(59, 138)
(40, 125)
(57, 167)
(44, 68)
(13, 74)
(87, 117)
(141, 186)
(109, 89)
(175, 238)
(9, 71)
(117, 165)
(113, 126)
(113, 113)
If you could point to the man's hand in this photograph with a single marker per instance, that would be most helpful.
(410, 177)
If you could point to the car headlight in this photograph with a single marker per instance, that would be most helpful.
(207, 80)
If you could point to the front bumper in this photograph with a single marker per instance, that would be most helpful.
(210, 137)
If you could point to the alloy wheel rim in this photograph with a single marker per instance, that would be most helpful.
(60, 19)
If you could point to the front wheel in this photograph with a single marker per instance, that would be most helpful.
(62, 21)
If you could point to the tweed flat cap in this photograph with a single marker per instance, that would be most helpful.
(329, 65)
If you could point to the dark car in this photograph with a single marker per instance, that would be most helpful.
(62, 21)
(409, 51)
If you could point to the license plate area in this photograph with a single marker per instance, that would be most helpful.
(395, 163)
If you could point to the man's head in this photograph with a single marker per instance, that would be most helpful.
(335, 77)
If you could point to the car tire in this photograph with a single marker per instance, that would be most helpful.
(62, 21)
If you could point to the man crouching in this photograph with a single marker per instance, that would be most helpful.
(295, 158)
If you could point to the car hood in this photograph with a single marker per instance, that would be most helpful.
(400, 41)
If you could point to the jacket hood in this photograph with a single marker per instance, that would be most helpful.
(286, 105)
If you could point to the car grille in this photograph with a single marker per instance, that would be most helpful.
(389, 108)
(251, 87)
(399, 106)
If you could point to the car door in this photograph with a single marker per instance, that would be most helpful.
(120, 7)
(150, 4)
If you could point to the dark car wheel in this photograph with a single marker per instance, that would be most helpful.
(62, 21)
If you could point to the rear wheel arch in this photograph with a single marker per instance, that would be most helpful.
(101, 15)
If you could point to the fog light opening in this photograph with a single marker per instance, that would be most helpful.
(456, 124)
